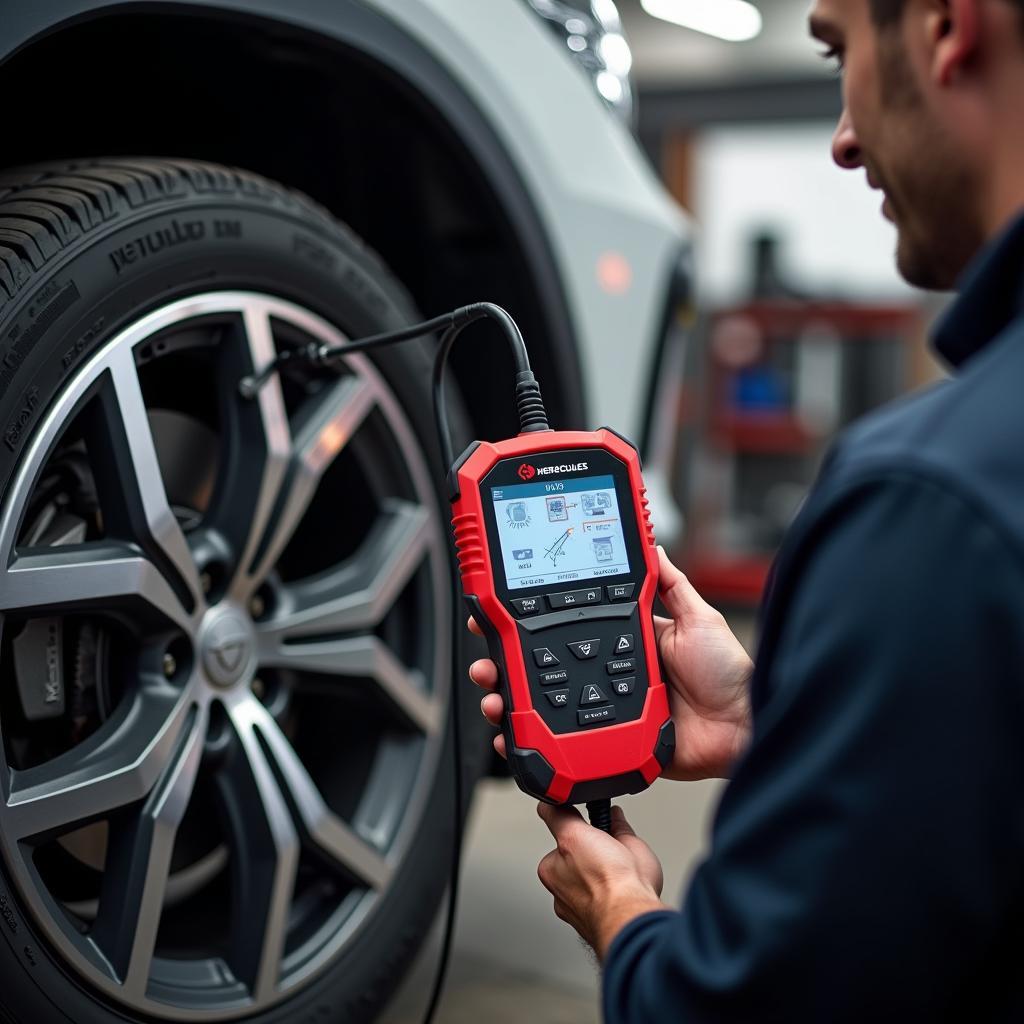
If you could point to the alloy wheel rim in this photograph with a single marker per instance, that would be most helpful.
(142, 763)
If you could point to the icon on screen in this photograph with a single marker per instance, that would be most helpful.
(522, 554)
(557, 511)
(603, 550)
(518, 514)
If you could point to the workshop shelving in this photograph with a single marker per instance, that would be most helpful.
(779, 378)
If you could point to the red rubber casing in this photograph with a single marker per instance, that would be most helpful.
(604, 761)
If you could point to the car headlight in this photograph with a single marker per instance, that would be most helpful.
(592, 32)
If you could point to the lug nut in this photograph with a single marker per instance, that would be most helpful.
(206, 582)
(170, 664)
(257, 606)
(258, 687)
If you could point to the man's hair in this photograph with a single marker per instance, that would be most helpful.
(885, 12)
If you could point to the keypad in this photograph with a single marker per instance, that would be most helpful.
(592, 680)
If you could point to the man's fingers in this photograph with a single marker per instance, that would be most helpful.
(499, 746)
(473, 627)
(677, 593)
(492, 706)
(484, 673)
(560, 820)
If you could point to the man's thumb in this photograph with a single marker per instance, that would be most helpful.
(677, 593)
(620, 827)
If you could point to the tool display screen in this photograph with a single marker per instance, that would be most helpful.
(560, 531)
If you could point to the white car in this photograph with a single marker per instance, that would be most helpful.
(230, 629)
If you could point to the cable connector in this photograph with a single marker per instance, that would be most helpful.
(600, 814)
(529, 404)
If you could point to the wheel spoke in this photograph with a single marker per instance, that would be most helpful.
(138, 864)
(365, 656)
(317, 443)
(265, 856)
(257, 448)
(117, 766)
(358, 594)
(128, 472)
(321, 826)
(92, 577)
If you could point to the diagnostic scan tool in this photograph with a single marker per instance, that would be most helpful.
(559, 569)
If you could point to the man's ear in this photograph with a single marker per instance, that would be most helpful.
(953, 32)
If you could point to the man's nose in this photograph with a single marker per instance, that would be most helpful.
(845, 147)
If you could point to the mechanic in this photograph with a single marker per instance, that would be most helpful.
(867, 857)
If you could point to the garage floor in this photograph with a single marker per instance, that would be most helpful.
(513, 959)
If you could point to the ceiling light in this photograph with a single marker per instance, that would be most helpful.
(733, 20)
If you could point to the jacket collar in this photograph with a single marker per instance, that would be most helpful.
(991, 296)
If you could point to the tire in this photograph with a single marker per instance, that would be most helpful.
(129, 281)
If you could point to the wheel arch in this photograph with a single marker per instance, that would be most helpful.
(424, 179)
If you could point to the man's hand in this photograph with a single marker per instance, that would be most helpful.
(708, 676)
(600, 882)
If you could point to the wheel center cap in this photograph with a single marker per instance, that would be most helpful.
(226, 645)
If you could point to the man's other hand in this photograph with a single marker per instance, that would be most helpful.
(600, 882)
(707, 673)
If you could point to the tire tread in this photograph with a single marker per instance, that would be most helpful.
(45, 209)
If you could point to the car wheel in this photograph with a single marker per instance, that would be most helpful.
(227, 636)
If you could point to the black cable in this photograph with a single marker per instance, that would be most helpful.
(600, 814)
(532, 417)
(456, 868)
(529, 404)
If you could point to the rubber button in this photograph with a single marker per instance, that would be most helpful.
(592, 716)
(544, 658)
(591, 694)
(623, 644)
(571, 598)
(624, 686)
(559, 698)
(584, 649)
(620, 666)
(620, 591)
(526, 605)
(549, 678)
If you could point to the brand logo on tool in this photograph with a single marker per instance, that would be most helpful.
(526, 471)
(570, 467)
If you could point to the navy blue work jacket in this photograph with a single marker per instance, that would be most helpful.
(867, 858)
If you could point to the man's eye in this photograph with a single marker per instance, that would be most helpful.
(834, 53)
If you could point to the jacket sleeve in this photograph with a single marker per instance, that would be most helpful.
(866, 860)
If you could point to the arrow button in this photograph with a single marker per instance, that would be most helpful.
(591, 695)
(584, 649)
(544, 658)
(623, 644)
